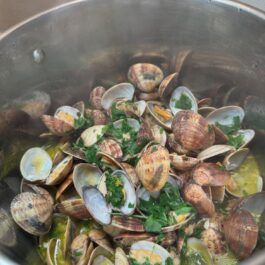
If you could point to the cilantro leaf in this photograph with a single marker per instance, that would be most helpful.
(236, 141)
(83, 122)
(183, 102)
(116, 114)
(152, 225)
(232, 128)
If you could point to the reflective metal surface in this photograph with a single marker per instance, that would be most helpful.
(85, 41)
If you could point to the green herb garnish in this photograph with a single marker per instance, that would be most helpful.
(183, 102)
(78, 253)
(169, 261)
(229, 129)
(90, 154)
(159, 211)
(83, 122)
(146, 262)
(236, 140)
(221, 167)
(131, 205)
(115, 194)
(117, 114)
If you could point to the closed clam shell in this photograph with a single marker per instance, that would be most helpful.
(95, 97)
(214, 240)
(56, 126)
(153, 168)
(192, 131)
(120, 257)
(32, 212)
(111, 147)
(210, 174)
(175, 146)
(60, 171)
(91, 135)
(168, 85)
(241, 233)
(101, 239)
(145, 76)
(128, 223)
(195, 195)
(183, 162)
(74, 208)
(98, 116)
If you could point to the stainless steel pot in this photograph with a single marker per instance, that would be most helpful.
(74, 46)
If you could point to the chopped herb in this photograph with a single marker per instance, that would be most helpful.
(131, 205)
(169, 261)
(221, 167)
(161, 130)
(117, 114)
(229, 129)
(90, 154)
(78, 253)
(115, 194)
(158, 210)
(154, 149)
(83, 122)
(183, 102)
(146, 262)
(79, 144)
(159, 238)
(236, 141)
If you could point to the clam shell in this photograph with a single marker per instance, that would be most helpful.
(120, 257)
(220, 136)
(111, 147)
(233, 160)
(131, 173)
(180, 59)
(64, 185)
(248, 136)
(168, 85)
(225, 115)
(98, 116)
(100, 256)
(131, 122)
(215, 150)
(128, 238)
(128, 223)
(95, 97)
(56, 126)
(218, 194)
(145, 249)
(32, 212)
(175, 146)
(157, 118)
(148, 96)
(74, 208)
(80, 106)
(35, 164)
(60, 171)
(153, 168)
(145, 76)
(85, 175)
(177, 93)
(241, 233)
(154, 57)
(109, 160)
(205, 111)
(66, 149)
(195, 195)
(204, 102)
(91, 135)
(210, 174)
(120, 91)
(79, 248)
(7, 233)
(97, 205)
(67, 114)
(101, 239)
(159, 135)
(183, 162)
(144, 133)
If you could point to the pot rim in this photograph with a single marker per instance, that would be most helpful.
(231, 3)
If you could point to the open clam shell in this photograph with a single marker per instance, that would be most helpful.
(233, 160)
(120, 91)
(97, 205)
(129, 191)
(164, 122)
(205, 111)
(66, 149)
(67, 114)
(225, 115)
(60, 171)
(101, 239)
(100, 256)
(158, 134)
(131, 122)
(120, 257)
(177, 95)
(153, 168)
(131, 173)
(215, 150)
(168, 85)
(35, 164)
(91, 135)
(145, 76)
(85, 175)
(248, 136)
(183, 162)
(145, 249)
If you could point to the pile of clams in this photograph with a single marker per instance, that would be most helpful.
(143, 172)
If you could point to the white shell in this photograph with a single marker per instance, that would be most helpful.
(73, 112)
(215, 150)
(91, 135)
(225, 115)
(120, 91)
(36, 164)
(159, 134)
(248, 134)
(205, 111)
(97, 205)
(85, 175)
(130, 195)
(132, 122)
(176, 96)
(151, 247)
(141, 106)
(235, 159)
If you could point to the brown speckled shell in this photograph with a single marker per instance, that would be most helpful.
(111, 147)
(79, 245)
(192, 131)
(195, 195)
(95, 97)
(153, 168)
(218, 194)
(98, 116)
(210, 174)
(241, 233)
(144, 133)
(101, 239)
(148, 96)
(130, 170)
(74, 208)
(183, 162)
(214, 240)
(128, 223)
(32, 212)
(145, 76)
(56, 126)
(168, 85)
(175, 146)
